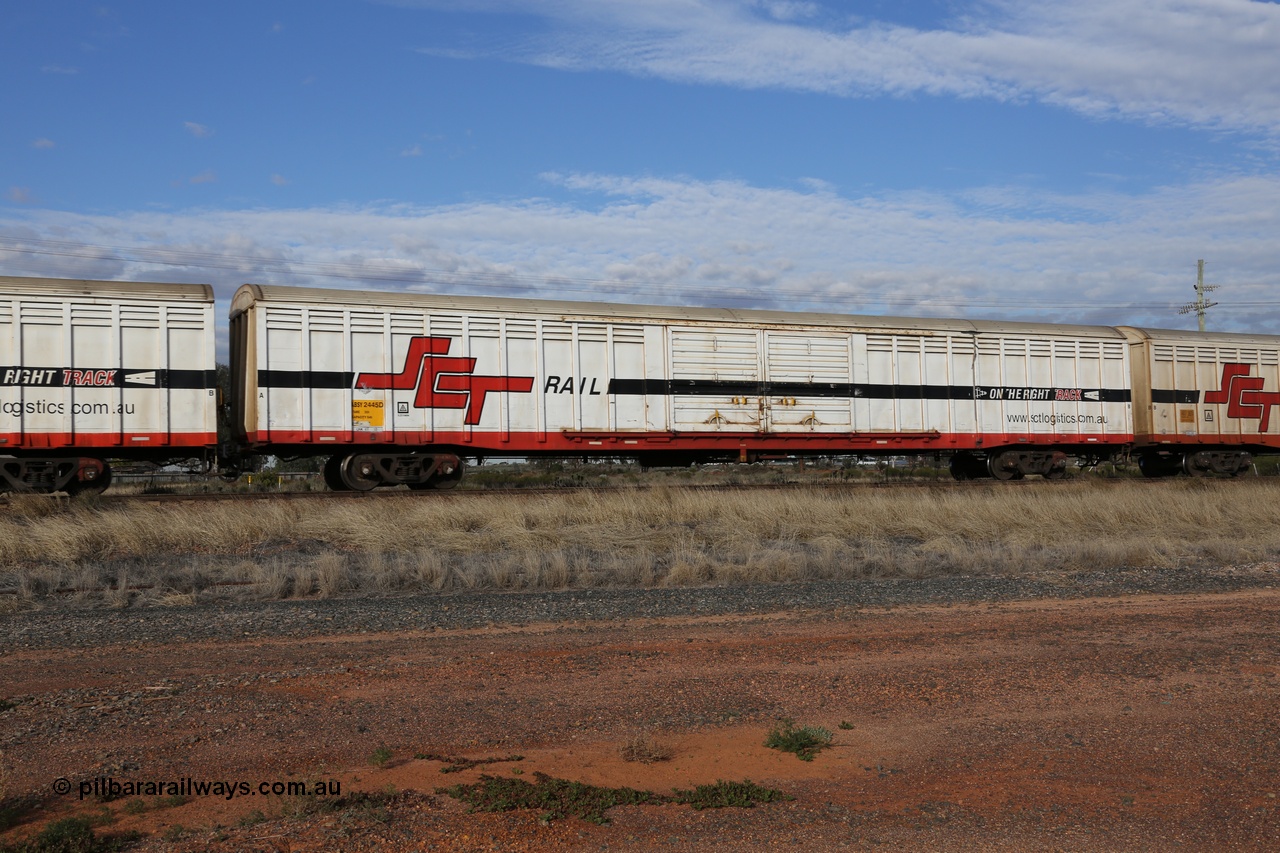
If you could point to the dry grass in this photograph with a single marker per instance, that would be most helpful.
(660, 537)
(646, 749)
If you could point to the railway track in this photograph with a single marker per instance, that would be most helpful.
(536, 491)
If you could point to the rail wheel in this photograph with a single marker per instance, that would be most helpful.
(90, 480)
(449, 480)
(333, 473)
(1004, 466)
(1151, 466)
(358, 473)
(1058, 465)
(1196, 465)
(1155, 466)
(966, 466)
(441, 479)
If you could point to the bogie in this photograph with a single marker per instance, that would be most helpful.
(362, 472)
(1201, 463)
(73, 475)
(1009, 464)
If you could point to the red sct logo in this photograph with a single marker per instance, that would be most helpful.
(443, 382)
(1243, 395)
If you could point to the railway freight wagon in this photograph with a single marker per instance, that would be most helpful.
(399, 388)
(97, 370)
(1203, 403)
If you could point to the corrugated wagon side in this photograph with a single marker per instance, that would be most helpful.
(99, 370)
(1204, 403)
(398, 388)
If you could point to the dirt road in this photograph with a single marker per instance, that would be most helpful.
(1145, 722)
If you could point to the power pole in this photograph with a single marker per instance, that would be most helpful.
(1201, 306)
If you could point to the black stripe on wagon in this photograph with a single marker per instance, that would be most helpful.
(1186, 398)
(305, 379)
(105, 377)
(844, 390)
(183, 379)
(753, 388)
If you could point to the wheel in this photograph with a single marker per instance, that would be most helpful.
(448, 481)
(1192, 468)
(1059, 464)
(333, 474)
(1153, 466)
(1244, 464)
(1004, 466)
(440, 480)
(96, 486)
(359, 474)
(966, 466)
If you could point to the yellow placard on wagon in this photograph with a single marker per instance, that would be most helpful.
(367, 414)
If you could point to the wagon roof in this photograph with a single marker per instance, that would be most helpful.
(149, 291)
(1182, 337)
(251, 293)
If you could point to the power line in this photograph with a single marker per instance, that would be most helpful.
(1201, 306)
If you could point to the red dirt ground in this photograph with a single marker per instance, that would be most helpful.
(1140, 723)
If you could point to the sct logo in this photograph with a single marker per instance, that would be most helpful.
(1243, 395)
(443, 382)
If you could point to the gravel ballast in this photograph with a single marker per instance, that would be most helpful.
(67, 626)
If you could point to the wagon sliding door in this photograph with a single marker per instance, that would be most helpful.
(810, 380)
(715, 379)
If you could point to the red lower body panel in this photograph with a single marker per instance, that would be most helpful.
(1256, 440)
(624, 443)
(42, 441)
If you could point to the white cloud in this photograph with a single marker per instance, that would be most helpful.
(43, 143)
(996, 253)
(1205, 63)
(279, 180)
(412, 151)
(60, 69)
(20, 195)
(199, 131)
(205, 177)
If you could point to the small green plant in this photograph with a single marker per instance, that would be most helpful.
(253, 818)
(72, 835)
(845, 725)
(555, 798)
(11, 813)
(174, 833)
(371, 804)
(380, 756)
(805, 741)
(135, 806)
(559, 798)
(13, 810)
(742, 795)
(457, 765)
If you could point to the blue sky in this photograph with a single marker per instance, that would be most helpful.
(970, 158)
